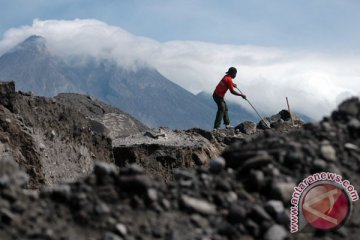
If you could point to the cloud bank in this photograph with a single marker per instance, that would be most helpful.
(314, 83)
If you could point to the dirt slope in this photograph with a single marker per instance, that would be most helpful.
(58, 139)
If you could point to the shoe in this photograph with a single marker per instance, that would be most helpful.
(229, 126)
(216, 129)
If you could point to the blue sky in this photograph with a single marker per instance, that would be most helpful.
(307, 50)
(326, 25)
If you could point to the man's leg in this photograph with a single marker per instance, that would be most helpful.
(226, 114)
(220, 111)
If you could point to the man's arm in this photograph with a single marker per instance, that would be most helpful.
(231, 86)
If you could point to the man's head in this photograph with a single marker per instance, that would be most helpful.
(232, 72)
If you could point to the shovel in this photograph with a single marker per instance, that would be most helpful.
(265, 123)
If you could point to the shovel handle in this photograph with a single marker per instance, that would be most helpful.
(262, 119)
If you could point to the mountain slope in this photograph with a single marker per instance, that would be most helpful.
(144, 92)
(34, 69)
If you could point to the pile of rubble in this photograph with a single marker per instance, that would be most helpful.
(244, 194)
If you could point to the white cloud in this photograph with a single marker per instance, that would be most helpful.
(314, 83)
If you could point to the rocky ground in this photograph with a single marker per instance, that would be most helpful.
(161, 183)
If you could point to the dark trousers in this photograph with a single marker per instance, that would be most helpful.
(222, 112)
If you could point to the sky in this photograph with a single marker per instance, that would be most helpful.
(307, 50)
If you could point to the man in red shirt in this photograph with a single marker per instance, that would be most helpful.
(225, 84)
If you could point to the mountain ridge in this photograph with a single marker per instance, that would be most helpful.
(143, 93)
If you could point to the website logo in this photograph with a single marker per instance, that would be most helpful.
(323, 201)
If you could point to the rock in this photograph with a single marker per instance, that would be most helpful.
(328, 152)
(121, 229)
(320, 164)
(283, 218)
(152, 194)
(284, 114)
(236, 214)
(354, 124)
(199, 221)
(283, 191)
(111, 236)
(7, 216)
(351, 146)
(102, 169)
(274, 207)
(217, 165)
(102, 208)
(246, 127)
(258, 214)
(264, 124)
(198, 205)
(58, 192)
(137, 184)
(278, 124)
(275, 118)
(276, 232)
(253, 228)
(260, 160)
(256, 181)
(350, 107)
(42, 146)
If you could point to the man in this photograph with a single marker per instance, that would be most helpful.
(225, 84)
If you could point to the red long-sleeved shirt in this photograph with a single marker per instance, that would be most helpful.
(225, 84)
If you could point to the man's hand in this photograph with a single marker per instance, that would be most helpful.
(234, 84)
(243, 96)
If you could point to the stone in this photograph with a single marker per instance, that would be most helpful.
(328, 152)
(236, 214)
(42, 146)
(7, 216)
(276, 232)
(102, 169)
(354, 124)
(198, 205)
(246, 127)
(350, 107)
(102, 208)
(319, 164)
(274, 207)
(217, 165)
(231, 197)
(199, 221)
(283, 191)
(135, 184)
(258, 214)
(275, 118)
(253, 228)
(61, 192)
(152, 194)
(111, 236)
(264, 124)
(260, 160)
(121, 229)
(284, 114)
(283, 218)
(351, 146)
